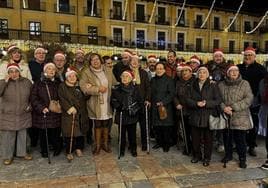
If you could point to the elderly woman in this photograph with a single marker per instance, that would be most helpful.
(15, 116)
(126, 99)
(202, 102)
(163, 92)
(73, 104)
(237, 98)
(97, 81)
(43, 91)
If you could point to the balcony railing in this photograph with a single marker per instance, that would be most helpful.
(6, 4)
(218, 27)
(64, 8)
(162, 21)
(198, 24)
(40, 7)
(13, 34)
(183, 23)
(117, 15)
(141, 18)
(96, 13)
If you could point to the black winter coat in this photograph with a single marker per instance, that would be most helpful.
(122, 97)
(199, 117)
(40, 100)
(163, 90)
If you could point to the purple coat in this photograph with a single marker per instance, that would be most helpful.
(40, 100)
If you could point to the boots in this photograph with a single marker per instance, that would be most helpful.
(106, 146)
(97, 149)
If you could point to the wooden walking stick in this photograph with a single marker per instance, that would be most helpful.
(45, 125)
(71, 139)
(147, 129)
(119, 136)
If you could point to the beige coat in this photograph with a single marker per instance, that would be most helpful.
(93, 103)
(15, 114)
(238, 95)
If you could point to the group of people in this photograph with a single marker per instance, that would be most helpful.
(60, 105)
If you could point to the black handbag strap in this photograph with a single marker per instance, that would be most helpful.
(49, 96)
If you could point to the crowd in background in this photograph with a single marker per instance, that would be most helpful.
(62, 105)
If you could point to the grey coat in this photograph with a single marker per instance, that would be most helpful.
(237, 94)
(15, 114)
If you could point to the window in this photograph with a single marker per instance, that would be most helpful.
(92, 8)
(118, 36)
(117, 10)
(6, 3)
(266, 47)
(161, 40)
(246, 44)
(216, 43)
(198, 21)
(180, 41)
(140, 13)
(3, 28)
(247, 26)
(182, 21)
(255, 45)
(65, 32)
(232, 28)
(231, 46)
(35, 29)
(161, 17)
(216, 23)
(31, 4)
(140, 38)
(198, 44)
(63, 6)
(92, 35)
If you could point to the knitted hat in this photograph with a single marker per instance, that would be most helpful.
(218, 51)
(250, 50)
(130, 73)
(13, 66)
(195, 59)
(69, 71)
(47, 65)
(232, 67)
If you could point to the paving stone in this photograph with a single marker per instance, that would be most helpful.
(139, 184)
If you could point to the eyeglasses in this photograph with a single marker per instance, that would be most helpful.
(248, 55)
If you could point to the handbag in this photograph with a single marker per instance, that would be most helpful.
(54, 105)
(217, 123)
(133, 109)
(162, 111)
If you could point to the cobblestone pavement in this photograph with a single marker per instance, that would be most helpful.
(158, 169)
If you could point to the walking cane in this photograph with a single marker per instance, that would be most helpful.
(45, 124)
(119, 135)
(72, 134)
(147, 129)
(228, 135)
(184, 132)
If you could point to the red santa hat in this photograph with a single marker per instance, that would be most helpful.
(69, 71)
(80, 51)
(59, 53)
(40, 48)
(186, 67)
(195, 59)
(250, 50)
(127, 52)
(13, 66)
(11, 47)
(130, 73)
(218, 51)
(152, 57)
(232, 67)
(47, 65)
(202, 68)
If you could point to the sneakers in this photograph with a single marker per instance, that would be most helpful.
(265, 165)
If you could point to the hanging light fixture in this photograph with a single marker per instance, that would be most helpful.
(125, 10)
(209, 12)
(182, 9)
(152, 13)
(237, 12)
(258, 25)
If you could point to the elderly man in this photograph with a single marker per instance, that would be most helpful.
(122, 65)
(79, 62)
(253, 72)
(60, 60)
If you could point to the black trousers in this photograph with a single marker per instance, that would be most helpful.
(251, 136)
(130, 130)
(77, 143)
(163, 135)
(266, 139)
(202, 136)
(34, 136)
(53, 139)
(239, 137)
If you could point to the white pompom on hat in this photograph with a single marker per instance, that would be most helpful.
(69, 71)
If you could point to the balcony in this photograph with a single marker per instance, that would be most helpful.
(197, 25)
(37, 6)
(6, 4)
(162, 20)
(141, 18)
(217, 26)
(96, 13)
(64, 9)
(117, 15)
(183, 23)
